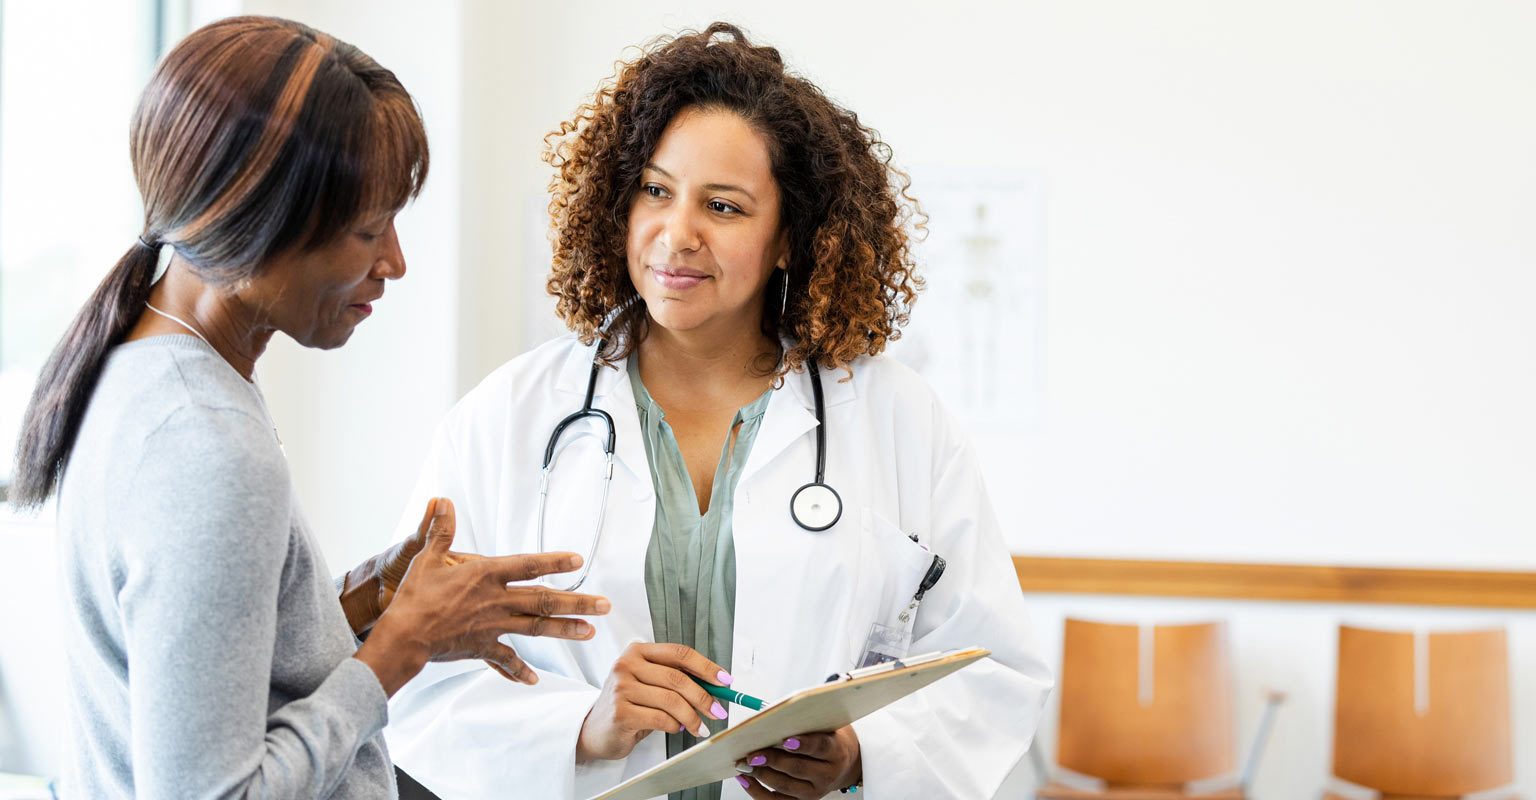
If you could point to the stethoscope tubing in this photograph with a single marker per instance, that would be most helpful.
(818, 487)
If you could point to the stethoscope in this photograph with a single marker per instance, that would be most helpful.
(814, 506)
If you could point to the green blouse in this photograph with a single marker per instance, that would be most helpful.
(690, 565)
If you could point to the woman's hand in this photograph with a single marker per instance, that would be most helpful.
(446, 610)
(649, 689)
(370, 586)
(806, 766)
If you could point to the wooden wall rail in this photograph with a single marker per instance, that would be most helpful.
(1431, 587)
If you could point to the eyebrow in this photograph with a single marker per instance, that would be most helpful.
(713, 187)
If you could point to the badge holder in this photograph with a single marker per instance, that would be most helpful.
(890, 642)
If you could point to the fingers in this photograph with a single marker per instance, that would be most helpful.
(456, 557)
(680, 715)
(505, 660)
(796, 767)
(440, 526)
(543, 601)
(426, 522)
(781, 783)
(645, 719)
(548, 627)
(678, 683)
(820, 746)
(687, 659)
(791, 764)
(519, 568)
(754, 789)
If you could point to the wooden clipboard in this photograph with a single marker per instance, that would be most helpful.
(819, 708)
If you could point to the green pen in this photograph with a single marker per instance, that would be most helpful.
(730, 695)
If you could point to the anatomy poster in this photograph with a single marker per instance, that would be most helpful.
(977, 331)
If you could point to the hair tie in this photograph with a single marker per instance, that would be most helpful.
(147, 245)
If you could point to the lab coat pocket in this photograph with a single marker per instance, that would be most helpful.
(891, 567)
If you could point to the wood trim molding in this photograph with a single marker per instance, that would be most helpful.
(1287, 582)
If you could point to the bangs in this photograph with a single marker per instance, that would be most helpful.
(361, 150)
(394, 157)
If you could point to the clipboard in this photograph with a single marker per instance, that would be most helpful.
(819, 708)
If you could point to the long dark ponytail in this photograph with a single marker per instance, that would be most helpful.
(255, 137)
(59, 399)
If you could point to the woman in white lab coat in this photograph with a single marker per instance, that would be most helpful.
(747, 229)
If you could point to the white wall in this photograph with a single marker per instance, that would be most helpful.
(1287, 245)
(1289, 272)
(1288, 260)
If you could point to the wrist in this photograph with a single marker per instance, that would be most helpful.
(584, 752)
(393, 659)
(854, 774)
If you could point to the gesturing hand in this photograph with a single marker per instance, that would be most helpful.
(371, 585)
(647, 690)
(806, 766)
(446, 609)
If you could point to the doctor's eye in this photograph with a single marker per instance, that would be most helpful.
(652, 190)
(723, 207)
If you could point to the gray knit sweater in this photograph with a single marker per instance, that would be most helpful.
(207, 653)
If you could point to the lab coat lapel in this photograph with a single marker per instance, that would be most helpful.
(619, 400)
(788, 417)
(615, 396)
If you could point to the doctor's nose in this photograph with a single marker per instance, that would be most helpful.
(680, 231)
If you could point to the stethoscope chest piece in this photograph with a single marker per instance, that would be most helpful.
(816, 507)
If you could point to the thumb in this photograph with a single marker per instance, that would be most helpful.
(440, 530)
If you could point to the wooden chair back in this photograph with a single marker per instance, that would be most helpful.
(1145, 712)
(1422, 716)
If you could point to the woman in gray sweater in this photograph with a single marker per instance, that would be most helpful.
(208, 654)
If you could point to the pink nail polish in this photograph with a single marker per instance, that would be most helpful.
(681, 728)
(743, 781)
(758, 761)
(724, 677)
(791, 743)
(717, 711)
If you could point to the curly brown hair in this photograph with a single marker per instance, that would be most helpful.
(845, 207)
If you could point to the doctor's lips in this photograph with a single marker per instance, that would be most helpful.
(677, 277)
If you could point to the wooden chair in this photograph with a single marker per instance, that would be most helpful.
(1147, 711)
(1422, 715)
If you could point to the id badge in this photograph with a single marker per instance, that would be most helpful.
(889, 642)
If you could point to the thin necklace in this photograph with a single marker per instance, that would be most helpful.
(262, 401)
(181, 322)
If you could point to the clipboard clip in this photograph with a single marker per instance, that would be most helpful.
(887, 666)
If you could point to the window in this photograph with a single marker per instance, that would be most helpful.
(70, 74)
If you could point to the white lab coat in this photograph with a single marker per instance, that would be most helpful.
(804, 601)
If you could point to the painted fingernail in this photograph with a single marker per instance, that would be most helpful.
(758, 761)
(791, 743)
(743, 781)
(703, 731)
(724, 677)
(743, 768)
(717, 711)
(682, 728)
